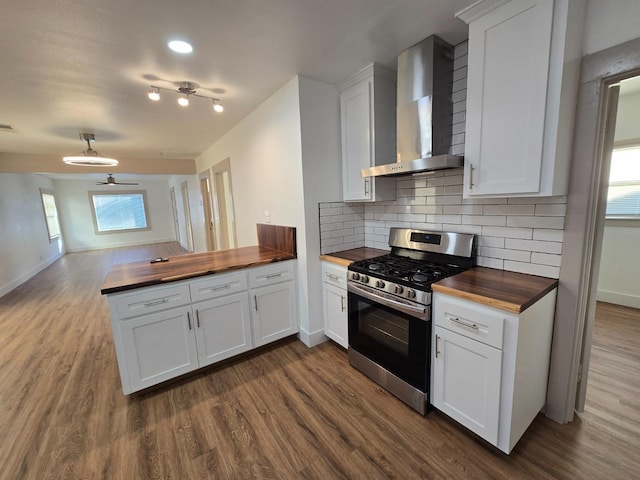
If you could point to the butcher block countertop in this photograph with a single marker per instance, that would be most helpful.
(510, 291)
(346, 257)
(275, 244)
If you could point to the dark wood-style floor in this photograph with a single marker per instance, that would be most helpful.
(287, 412)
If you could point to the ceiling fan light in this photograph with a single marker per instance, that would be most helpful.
(217, 106)
(183, 100)
(90, 161)
(154, 94)
(180, 46)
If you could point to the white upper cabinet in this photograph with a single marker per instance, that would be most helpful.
(523, 67)
(367, 113)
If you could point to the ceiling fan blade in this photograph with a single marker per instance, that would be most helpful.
(125, 183)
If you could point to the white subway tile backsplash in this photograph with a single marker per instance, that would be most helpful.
(532, 269)
(427, 209)
(548, 235)
(437, 227)
(473, 229)
(557, 210)
(462, 209)
(505, 254)
(536, 200)
(509, 209)
(545, 259)
(534, 246)
(508, 232)
(445, 200)
(494, 220)
(497, 242)
(490, 262)
(455, 219)
(535, 222)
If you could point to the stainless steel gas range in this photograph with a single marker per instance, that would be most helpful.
(389, 300)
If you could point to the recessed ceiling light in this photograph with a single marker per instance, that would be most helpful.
(180, 46)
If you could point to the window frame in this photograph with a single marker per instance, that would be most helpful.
(145, 205)
(47, 191)
(621, 219)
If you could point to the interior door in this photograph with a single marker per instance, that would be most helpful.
(223, 212)
(174, 210)
(187, 214)
(205, 191)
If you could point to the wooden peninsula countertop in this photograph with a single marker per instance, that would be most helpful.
(275, 244)
(510, 291)
(346, 257)
(128, 276)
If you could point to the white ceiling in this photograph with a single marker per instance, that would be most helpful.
(70, 66)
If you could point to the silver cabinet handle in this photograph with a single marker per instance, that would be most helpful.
(189, 320)
(464, 324)
(342, 302)
(156, 302)
(471, 168)
(223, 287)
(274, 275)
(198, 318)
(366, 187)
(255, 302)
(333, 277)
(437, 346)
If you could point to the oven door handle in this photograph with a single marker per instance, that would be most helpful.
(414, 311)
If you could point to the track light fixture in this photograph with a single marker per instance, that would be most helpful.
(185, 90)
(90, 157)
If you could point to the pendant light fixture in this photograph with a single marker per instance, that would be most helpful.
(90, 157)
(185, 90)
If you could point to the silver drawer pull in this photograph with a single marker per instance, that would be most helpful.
(274, 275)
(156, 302)
(464, 324)
(223, 287)
(332, 276)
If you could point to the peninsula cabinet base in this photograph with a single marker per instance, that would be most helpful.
(165, 331)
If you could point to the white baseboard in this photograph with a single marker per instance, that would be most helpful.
(87, 248)
(624, 299)
(16, 282)
(312, 339)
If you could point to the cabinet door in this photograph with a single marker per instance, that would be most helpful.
(158, 347)
(335, 314)
(274, 312)
(223, 328)
(466, 382)
(357, 140)
(509, 54)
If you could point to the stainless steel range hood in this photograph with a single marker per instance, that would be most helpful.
(424, 111)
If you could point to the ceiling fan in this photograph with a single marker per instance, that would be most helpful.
(112, 181)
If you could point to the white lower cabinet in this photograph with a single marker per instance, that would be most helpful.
(334, 300)
(223, 328)
(157, 347)
(156, 340)
(490, 367)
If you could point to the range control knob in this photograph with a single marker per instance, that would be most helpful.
(364, 279)
(355, 276)
(411, 293)
(399, 289)
(380, 284)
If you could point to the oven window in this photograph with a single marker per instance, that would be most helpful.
(387, 330)
(394, 340)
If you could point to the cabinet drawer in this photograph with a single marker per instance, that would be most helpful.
(334, 274)
(470, 319)
(151, 299)
(271, 274)
(214, 286)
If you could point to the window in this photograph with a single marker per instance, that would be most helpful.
(50, 213)
(623, 199)
(117, 212)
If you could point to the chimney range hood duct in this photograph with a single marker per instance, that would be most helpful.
(424, 111)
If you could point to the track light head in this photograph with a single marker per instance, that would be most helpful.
(186, 90)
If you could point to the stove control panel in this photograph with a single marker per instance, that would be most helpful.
(418, 296)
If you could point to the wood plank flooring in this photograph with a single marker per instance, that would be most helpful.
(286, 412)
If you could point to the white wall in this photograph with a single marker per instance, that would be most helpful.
(618, 279)
(609, 23)
(24, 241)
(77, 223)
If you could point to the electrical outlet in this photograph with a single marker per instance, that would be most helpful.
(267, 216)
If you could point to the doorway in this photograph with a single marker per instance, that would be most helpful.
(205, 191)
(174, 210)
(223, 211)
(582, 234)
(184, 186)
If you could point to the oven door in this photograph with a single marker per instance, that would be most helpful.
(392, 332)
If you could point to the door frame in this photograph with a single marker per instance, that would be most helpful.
(580, 245)
(174, 209)
(207, 208)
(219, 214)
(184, 189)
